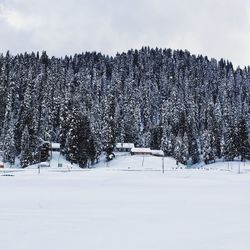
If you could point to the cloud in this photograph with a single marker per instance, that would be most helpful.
(210, 27)
(17, 19)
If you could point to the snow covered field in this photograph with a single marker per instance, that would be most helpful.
(125, 205)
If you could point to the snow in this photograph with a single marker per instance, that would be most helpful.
(124, 145)
(127, 203)
(157, 152)
(56, 159)
(147, 151)
(141, 150)
(55, 145)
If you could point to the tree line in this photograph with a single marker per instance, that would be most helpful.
(191, 107)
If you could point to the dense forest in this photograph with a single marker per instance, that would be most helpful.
(191, 107)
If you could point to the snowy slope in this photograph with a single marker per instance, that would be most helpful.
(56, 159)
(124, 205)
(124, 161)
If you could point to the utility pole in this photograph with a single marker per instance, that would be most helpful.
(39, 162)
(142, 160)
(59, 159)
(163, 164)
(50, 159)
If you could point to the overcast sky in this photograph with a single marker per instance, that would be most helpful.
(216, 28)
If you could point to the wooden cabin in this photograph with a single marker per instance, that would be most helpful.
(55, 147)
(157, 153)
(146, 151)
(141, 151)
(124, 147)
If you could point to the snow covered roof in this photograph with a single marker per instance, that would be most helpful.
(148, 151)
(44, 164)
(55, 145)
(141, 150)
(157, 152)
(125, 145)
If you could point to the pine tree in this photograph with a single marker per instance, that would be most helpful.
(243, 140)
(231, 143)
(80, 144)
(193, 150)
(167, 142)
(108, 129)
(181, 149)
(9, 144)
(25, 156)
(208, 147)
(126, 98)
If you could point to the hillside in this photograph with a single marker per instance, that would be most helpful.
(187, 105)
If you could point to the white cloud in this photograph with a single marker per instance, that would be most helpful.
(17, 20)
(216, 28)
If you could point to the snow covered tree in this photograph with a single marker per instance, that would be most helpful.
(167, 141)
(9, 144)
(80, 144)
(231, 143)
(25, 156)
(181, 153)
(108, 129)
(243, 140)
(151, 97)
(208, 147)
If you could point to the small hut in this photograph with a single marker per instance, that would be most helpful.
(141, 151)
(157, 152)
(124, 147)
(55, 147)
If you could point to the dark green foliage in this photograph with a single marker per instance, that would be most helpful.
(156, 136)
(181, 153)
(80, 144)
(43, 152)
(243, 140)
(25, 156)
(193, 151)
(9, 145)
(184, 104)
(231, 143)
(209, 149)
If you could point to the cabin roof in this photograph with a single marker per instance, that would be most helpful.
(157, 152)
(141, 150)
(55, 145)
(125, 145)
